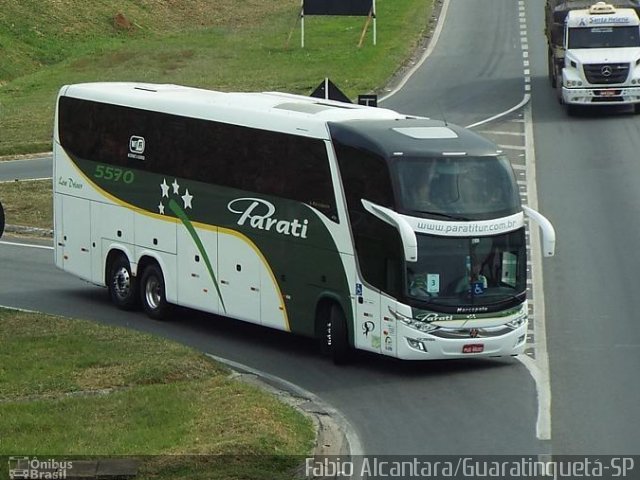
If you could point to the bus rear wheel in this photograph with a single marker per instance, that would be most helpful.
(152, 293)
(123, 286)
(334, 336)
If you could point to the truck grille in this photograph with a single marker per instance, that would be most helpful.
(606, 73)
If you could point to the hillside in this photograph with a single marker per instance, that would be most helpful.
(35, 34)
(219, 44)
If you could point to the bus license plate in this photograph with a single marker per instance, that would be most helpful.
(473, 348)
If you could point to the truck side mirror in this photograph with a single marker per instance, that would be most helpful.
(548, 232)
(407, 235)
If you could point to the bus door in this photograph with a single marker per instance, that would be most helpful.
(367, 334)
(388, 325)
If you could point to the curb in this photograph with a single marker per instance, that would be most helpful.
(32, 231)
(25, 156)
(334, 434)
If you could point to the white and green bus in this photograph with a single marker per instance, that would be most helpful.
(359, 226)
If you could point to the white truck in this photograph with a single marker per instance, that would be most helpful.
(594, 52)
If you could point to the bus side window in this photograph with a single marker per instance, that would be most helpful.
(377, 244)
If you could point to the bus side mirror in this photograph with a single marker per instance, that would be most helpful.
(548, 232)
(407, 235)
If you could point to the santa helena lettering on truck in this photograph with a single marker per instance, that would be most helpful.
(359, 226)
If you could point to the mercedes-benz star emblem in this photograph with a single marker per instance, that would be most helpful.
(606, 71)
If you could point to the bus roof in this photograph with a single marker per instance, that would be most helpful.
(287, 113)
(412, 137)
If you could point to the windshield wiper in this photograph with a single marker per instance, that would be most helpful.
(503, 299)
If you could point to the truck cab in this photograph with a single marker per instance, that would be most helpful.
(598, 60)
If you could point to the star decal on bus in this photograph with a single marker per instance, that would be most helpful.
(186, 198)
(165, 188)
(180, 213)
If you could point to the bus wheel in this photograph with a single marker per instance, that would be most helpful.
(334, 336)
(152, 293)
(122, 284)
(1, 220)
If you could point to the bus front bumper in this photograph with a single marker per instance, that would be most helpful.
(413, 345)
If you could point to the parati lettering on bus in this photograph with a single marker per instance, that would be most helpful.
(259, 213)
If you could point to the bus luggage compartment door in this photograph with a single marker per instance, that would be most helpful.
(239, 277)
(73, 235)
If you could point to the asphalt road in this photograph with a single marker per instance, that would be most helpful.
(34, 168)
(442, 407)
(461, 407)
(588, 177)
(475, 71)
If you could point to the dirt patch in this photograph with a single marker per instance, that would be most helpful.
(122, 23)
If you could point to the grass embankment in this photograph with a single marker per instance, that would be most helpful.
(225, 45)
(70, 387)
(28, 203)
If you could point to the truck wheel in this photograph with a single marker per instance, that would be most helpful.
(334, 337)
(559, 95)
(558, 84)
(152, 293)
(123, 286)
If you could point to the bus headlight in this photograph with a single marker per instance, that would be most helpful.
(414, 323)
(417, 344)
(417, 324)
(517, 322)
(423, 326)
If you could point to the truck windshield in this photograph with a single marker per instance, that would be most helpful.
(463, 188)
(604, 37)
(456, 271)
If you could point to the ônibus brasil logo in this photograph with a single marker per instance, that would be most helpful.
(24, 468)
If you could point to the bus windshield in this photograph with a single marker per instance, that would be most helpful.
(604, 37)
(464, 188)
(456, 271)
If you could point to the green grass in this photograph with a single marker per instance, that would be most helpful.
(28, 203)
(224, 45)
(70, 387)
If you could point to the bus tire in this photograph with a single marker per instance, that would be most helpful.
(152, 293)
(334, 336)
(123, 285)
(1, 220)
